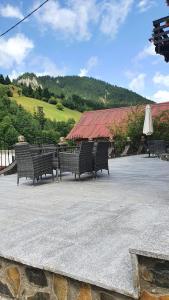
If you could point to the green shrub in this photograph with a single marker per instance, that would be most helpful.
(51, 135)
(9, 93)
(52, 100)
(14, 120)
(161, 126)
(59, 106)
(44, 99)
(132, 127)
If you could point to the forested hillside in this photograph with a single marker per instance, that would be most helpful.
(15, 120)
(81, 93)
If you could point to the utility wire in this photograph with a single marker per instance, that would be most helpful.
(26, 17)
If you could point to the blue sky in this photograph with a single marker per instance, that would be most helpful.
(105, 39)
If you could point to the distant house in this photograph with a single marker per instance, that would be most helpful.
(95, 124)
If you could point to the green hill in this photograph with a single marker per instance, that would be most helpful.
(20, 115)
(88, 93)
(31, 104)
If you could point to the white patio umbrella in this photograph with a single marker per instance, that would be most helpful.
(148, 122)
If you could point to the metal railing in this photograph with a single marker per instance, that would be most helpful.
(7, 155)
(41, 145)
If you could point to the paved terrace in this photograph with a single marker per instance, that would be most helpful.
(84, 229)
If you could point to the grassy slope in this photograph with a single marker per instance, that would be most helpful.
(50, 110)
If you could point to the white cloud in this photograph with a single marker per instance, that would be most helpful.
(148, 50)
(14, 50)
(114, 14)
(91, 63)
(161, 79)
(144, 5)
(72, 20)
(83, 72)
(161, 96)
(76, 18)
(137, 84)
(14, 74)
(44, 66)
(9, 11)
(41, 66)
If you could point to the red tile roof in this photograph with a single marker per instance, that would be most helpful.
(94, 124)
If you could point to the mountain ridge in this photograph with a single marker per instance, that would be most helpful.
(94, 93)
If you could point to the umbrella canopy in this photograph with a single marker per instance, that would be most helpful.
(148, 122)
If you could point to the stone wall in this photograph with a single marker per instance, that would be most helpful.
(153, 278)
(18, 281)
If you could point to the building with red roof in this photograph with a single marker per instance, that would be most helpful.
(95, 124)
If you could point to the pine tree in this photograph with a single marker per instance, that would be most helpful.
(30, 91)
(25, 90)
(46, 93)
(2, 80)
(40, 116)
(62, 96)
(38, 93)
(7, 80)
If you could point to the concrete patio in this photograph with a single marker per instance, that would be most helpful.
(85, 229)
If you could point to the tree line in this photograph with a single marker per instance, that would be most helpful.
(90, 89)
(15, 121)
(5, 80)
(84, 93)
(76, 93)
(73, 102)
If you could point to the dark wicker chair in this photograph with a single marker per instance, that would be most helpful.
(156, 147)
(35, 149)
(32, 166)
(101, 157)
(79, 162)
(52, 148)
(46, 148)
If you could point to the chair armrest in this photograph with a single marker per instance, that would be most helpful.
(49, 154)
(35, 150)
(69, 155)
(49, 150)
(43, 157)
(68, 162)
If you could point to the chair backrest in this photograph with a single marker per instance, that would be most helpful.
(35, 149)
(86, 157)
(102, 150)
(48, 148)
(23, 156)
(156, 146)
(101, 156)
(44, 146)
(86, 149)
